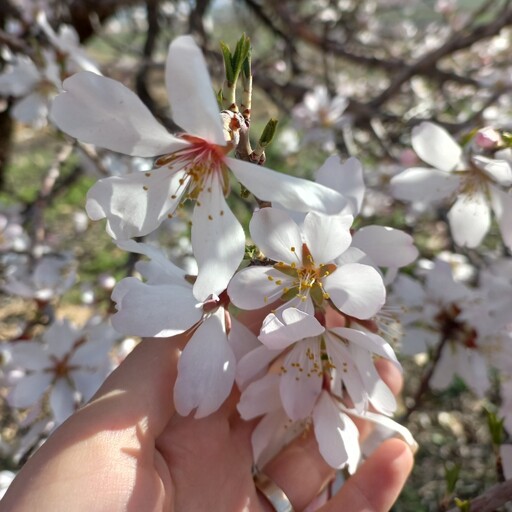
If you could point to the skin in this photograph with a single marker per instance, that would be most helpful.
(127, 450)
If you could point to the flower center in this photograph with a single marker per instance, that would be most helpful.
(307, 277)
(202, 162)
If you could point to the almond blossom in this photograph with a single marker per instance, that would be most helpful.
(65, 367)
(165, 305)
(474, 184)
(192, 165)
(308, 269)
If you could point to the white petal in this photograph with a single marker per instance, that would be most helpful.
(254, 364)
(506, 457)
(193, 103)
(368, 341)
(218, 241)
(29, 389)
(469, 219)
(136, 204)
(295, 325)
(277, 235)
(301, 383)
(336, 434)
(260, 397)
(251, 288)
(327, 236)
(267, 437)
(206, 369)
(102, 111)
(62, 400)
(423, 185)
(347, 179)
(32, 109)
(61, 337)
(356, 290)
(499, 170)
(241, 339)
(153, 311)
(387, 247)
(436, 146)
(291, 192)
(87, 383)
(162, 269)
(29, 355)
(417, 341)
(502, 206)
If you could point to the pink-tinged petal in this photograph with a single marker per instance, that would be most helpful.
(62, 400)
(103, 112)
(260, 397)
(29, 389)
(162, 270)
(206, 369)
(435, 146)
(152, 310)
(499, 170)
(254, 365)
(301, 380)
(277, 235)
(255, 287)
(293, 193)
(423, 185)
(29, 355)
(369, 341)
(502, 206)
(327, 236)
(193, 103)
(336, 434)
(136, 204)
(470, 219)
(379, 394)
(218, 241)
(387, 247)
(356, 290)
(295, 325)
(346, 178)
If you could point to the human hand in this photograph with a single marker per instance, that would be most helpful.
(127, 450)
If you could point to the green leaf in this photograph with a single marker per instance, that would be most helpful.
(451, 475)
(228, 63)
(495, 428)
(268, 133)
(462, 505)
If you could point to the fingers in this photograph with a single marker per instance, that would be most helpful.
(300, 471)
(377, 483)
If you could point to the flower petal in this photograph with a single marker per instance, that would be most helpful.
(356, 290)
(206, 369)
(336, 434)
(423, 185)
(469, 219)
(190, 91)
(387, 247)
(255, 287)
(502, 206)
(136, 204)
(104, 112)
(327, 236)
(218, 241)
(499, 170)
(62, 400)
(293, 193)
(301, 380)
(254, 364)
(260, 397)
(29, 389)
(277, 235)
(152, 310)
(346, 178)
(295, 325)
(436, 146)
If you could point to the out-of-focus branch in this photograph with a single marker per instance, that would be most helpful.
(195, 20)
(490, 500)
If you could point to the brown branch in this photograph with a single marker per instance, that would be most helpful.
(490, 500)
